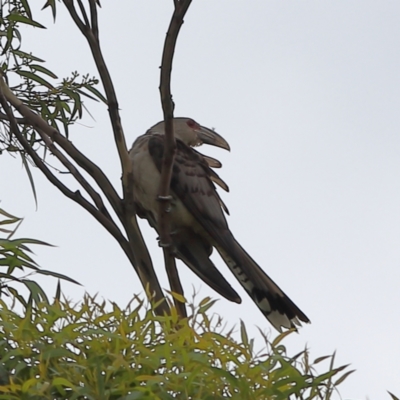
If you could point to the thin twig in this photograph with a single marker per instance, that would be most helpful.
(76, 196)
(98, 201)
(83, 11)
(41, 125)
(169, 149)
(107, 84)
(71, 8)
(127, 181)
(139, 260)
(20, 121)
(94, 19)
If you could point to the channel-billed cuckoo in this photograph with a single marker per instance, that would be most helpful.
(197, 219)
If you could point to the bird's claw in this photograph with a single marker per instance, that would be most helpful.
(158, 238)
(169, 246)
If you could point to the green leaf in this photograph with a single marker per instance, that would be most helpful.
(77, 102)
(27, 384)
(135, 395)
(205, 301)
(27, 9)
(86, 95)
(56, 353)
(6, 214)
(44, 70)
(36, 292)
(28, 56)
(96, 93)
(319, 359)
(9, 221)
(36, 78)
(243, 334)
(24, 20)
(344, 376)
(10, 36)
(58, 291)
(52, 4)
(281, 336)
(204, 307)
(9, 277)
(30, 177)
(16, 295)
(21, 242)
(393, 396)
(57, 275)
(177, 296)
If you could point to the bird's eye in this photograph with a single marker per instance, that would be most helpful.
(191, 123)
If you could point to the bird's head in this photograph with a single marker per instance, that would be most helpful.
(191, 133)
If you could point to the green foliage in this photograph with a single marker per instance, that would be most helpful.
(59, 103)
(15, 257)
(86, 351)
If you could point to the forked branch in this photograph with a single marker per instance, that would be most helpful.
(89, 28)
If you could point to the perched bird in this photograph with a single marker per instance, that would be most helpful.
(197, 219)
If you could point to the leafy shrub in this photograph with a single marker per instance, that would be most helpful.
(15, 258)
(84, 351)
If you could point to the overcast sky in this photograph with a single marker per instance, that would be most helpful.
(307, 95)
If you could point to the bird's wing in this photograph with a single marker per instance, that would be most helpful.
(192, 183)
(190, 246)
(212, 162)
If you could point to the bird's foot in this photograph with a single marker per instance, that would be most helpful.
(167, 200)
(158, 238)
(169, 246)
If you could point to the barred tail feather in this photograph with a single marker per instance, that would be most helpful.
(266, 294)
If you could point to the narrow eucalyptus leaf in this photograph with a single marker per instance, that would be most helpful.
(44, 70)
(24, 20)
(37, 293)
(30, 177)
(28, 56)
(36, 78)
(27, 9)
(57, 275)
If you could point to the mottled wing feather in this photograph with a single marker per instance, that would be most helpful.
(190, 247)
(191, 182)
(212, 162)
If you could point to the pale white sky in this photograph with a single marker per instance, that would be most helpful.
(308, 95)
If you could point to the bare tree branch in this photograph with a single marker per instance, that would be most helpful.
(75, 196)
(107, 84)
(169, 149)
(42, 126)
(83, 12)
(19, 121)
(71, 8)
(94, 19)
(129, 220)
(140, 259)
(98, 201)
(144, 265)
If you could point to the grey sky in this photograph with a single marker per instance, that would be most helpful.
(307, 94)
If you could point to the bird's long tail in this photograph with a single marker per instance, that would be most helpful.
(266, 294)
